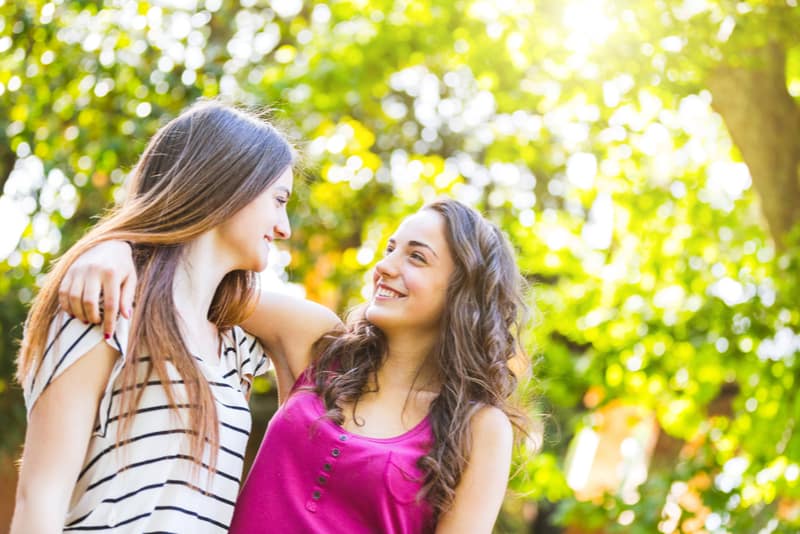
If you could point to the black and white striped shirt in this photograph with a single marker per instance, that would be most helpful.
(148, 483)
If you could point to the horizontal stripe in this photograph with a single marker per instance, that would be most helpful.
(168, 406)
(145, 385)
(178, 509)
(144, 410)
(149, 435)
(195, 514)
(106, 527)
(245, 408)
(170, 482)
(223, 385)
(151, 461)
(236, 428)
(128, 441)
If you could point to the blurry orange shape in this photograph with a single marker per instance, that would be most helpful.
(99, 179)
(789, 509)
(614, 454)
(701, 481)
(593, 396)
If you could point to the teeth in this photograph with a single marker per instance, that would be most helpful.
(385, 292)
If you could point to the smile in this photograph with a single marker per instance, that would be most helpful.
(385, 292)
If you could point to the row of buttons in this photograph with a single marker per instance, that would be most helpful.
(322, 479)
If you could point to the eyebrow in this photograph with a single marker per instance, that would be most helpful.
(284, 189)
(414, 243)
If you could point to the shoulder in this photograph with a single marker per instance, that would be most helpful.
(68, 339)
(491, 428)
(278, 316)
(79, 351)
(308, 310)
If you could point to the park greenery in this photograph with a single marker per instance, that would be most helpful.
(644, 158)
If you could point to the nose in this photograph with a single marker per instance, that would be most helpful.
(386, 267)
(283, 229)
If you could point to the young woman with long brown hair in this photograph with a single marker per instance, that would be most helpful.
(401, 421)
(146, 430)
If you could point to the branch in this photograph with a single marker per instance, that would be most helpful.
(764, 123)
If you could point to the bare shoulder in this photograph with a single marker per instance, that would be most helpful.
(300, 312)
(491, 426)
(278, 317)
(288, 326)
(307, 308)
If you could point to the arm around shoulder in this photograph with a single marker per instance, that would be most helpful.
(288, 327)
(59, 429)
(483, 484)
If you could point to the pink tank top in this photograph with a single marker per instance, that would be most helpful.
(312, 476)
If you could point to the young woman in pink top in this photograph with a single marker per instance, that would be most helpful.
(399, 422)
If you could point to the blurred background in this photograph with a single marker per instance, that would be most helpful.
(644, 157)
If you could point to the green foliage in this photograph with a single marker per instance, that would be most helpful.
(583, 128)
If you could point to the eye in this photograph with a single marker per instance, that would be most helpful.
(419, 257)
(388, 250)
(282, 201)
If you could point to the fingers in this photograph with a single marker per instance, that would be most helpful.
(75, 302)
(63, 293)
(90, 298)
(97, 275)
(110, 303)
(127, 294)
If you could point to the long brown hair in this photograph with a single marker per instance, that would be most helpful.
(196, 172)
(479, 335)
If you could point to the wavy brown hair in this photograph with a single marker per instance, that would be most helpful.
(196, 172)
(479, 335)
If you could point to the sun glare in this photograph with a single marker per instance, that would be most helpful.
(588, 25)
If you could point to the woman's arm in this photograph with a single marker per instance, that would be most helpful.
(107, 267)
(59, 429)
(288, 327)
(480, 493)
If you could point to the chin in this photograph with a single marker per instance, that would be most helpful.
(380, 318)
(260, 263)
(373, 315)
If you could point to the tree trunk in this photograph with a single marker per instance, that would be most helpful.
(764, 122)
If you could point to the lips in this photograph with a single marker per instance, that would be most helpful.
(386, 292)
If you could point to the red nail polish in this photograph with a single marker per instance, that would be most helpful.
(106, 335)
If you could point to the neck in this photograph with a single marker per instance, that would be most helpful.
(408, 364)
(197, 276)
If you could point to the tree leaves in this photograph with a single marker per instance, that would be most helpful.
(584, 129)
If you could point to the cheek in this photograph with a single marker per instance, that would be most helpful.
(438, 296)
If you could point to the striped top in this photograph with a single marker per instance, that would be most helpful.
(148, 483)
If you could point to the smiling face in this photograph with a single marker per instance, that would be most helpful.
(246, 235)
(410, 282)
